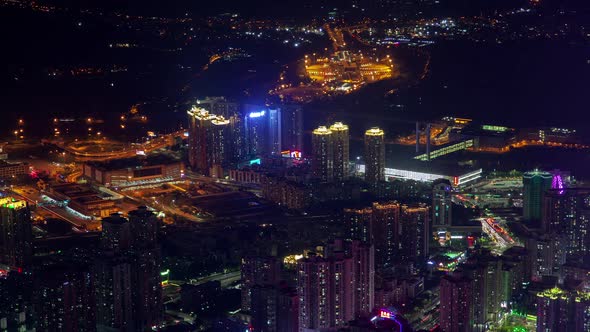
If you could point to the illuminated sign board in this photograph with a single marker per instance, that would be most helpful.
(255, 161)
(494, 128)
(165, 277)
(295, 154)
(257, 114)
(390, 315)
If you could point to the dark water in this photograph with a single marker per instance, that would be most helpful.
(526, 84)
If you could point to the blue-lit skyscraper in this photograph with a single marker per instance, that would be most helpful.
(274, 131)
(263, 130)
(256, 122)
(291, 127)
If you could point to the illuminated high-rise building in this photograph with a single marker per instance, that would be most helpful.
(547, 254)
(554, 311)
(323, 154)
(359, 224)
(455, 303)
(232, 112)
(114, 277)
(415, 222)
(336, 287)
(363, 264)
(256, 123)
(263, 308)
(398, 232)
(199, 123)
(288, 310)
(291, 127)
(143, 225)
(314, 285)
(582, 311)
(374, 155)
(116, 234)
(219, 154)
(442, 204)
(113, 292)
(566, 212)
(263, 130)
(16, 301)
(128, 287)
(211, 143)
(486, 273)
(16, 242)
(535, 184)
(275, 131)
(258, 271)
(341, 141)
(64, 298)
(386, 229)
(146, 267)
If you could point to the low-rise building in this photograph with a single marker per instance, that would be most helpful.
(9, 170)
(135, 171)
(83, 199)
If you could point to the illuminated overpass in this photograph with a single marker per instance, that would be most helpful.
(463, 145)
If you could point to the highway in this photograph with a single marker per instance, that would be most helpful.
(172, 294)
(491, 227)
(490, 224)
(427, 317)
(225, 279)
(128, 152)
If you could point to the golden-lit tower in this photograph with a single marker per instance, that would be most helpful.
(323, 154)
(219, 145)
(199, 121)
(374, 155)
(341, 138)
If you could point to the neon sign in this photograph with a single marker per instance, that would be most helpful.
(257, 114)
(557, 183)
(295, 154)
(387, 314)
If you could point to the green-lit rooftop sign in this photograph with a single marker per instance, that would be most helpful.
(495, 128)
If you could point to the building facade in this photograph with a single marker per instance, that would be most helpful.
(455, 304)
(566, 212)
(16, 239)
(322, 154)
(341, 141)
(442, 205)
(374, 156)
(535, 184)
